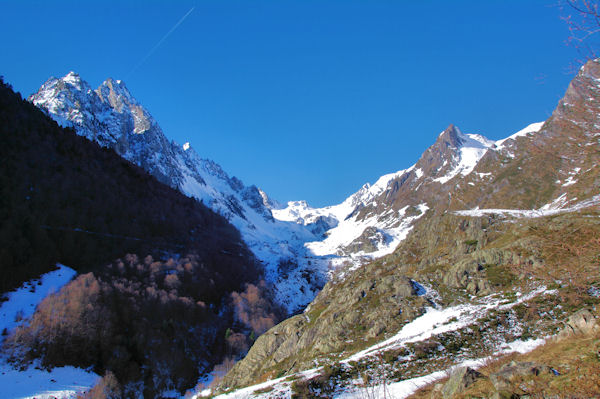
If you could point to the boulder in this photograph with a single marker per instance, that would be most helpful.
(581, 322)
(504, 379)
(459, 380)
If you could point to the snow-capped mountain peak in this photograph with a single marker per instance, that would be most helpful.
(111, 116)
(73, 79)
(450, 137)
(116, 94)
(453, 153)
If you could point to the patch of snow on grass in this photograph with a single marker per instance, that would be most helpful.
(405, 388)
(571, 179)
(437, 321)
(432, 322)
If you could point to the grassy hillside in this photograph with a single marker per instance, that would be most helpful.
(488, 264)
(467, 261)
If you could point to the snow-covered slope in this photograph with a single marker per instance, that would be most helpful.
(35, 382)
(20, 304)
(370, 223)
(341, 227)
(470, 149)
(530, 129)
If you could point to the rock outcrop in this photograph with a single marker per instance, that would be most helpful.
(505, 380)
(583, 322)
(459, 380)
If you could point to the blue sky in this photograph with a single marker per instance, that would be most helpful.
(306, 99)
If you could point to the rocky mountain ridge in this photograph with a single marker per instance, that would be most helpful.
(505, 219)
(477, 233)
(300, 245)
(111, 116)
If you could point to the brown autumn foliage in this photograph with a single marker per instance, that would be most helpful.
(158, 322)
(255, 309)
(254, 312)
(107, 388)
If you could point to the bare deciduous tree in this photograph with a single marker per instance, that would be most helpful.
(583, 20)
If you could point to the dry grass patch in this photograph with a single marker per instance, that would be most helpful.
(576, 359)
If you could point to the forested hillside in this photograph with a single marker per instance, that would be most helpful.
(65, 199)
(161, 276)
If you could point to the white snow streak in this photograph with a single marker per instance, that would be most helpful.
(532, 128)
(405, 388)
(553, 208)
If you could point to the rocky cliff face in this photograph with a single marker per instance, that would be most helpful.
(113, 118)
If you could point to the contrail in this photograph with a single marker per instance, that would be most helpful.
(161, 41)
